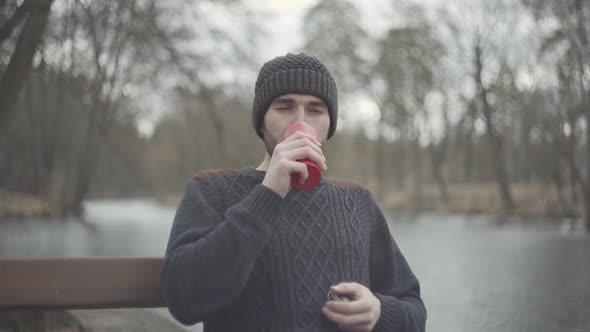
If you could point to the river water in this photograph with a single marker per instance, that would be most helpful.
(477, 273)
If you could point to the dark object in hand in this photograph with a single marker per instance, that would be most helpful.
(339, 298)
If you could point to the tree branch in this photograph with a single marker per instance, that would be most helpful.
(13, 21)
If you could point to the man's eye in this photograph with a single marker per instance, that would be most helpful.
(283, 108)
(316, 110)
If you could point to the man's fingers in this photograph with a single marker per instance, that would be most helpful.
(349, 308)
(306, 152)
(299, 135)
(298, 168)
(358, 315)
(348, 288)
(347, 321)
(303, 143)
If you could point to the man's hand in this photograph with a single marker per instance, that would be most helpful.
(283, 161)
(361, 314)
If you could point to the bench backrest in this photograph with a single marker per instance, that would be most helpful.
(80, 283)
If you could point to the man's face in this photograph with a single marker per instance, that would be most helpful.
(292, 108)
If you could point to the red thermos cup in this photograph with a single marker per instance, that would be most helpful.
(314, 171)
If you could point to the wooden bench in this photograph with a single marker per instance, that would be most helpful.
(80, 283)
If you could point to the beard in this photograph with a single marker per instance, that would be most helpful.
(269, 144)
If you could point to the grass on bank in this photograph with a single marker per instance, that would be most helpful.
(530, 200)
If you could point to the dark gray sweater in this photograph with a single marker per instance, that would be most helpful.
(241, 258)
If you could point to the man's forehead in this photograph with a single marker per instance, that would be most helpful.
(293, 97)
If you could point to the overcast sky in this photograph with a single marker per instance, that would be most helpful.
(378, 15)
(284, 26)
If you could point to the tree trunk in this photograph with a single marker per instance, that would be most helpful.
(468, 159)
(437, 162)
(465, 131)
(401, 161)
(417, 194)
(438, 155)
(494, 141)
(574, 174)
(500, 170)
(523, 154)
(20, 64)
(586, 182)
(380, 161)
(558, 182)
(581, 25)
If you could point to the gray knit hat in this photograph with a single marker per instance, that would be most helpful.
(294, 73)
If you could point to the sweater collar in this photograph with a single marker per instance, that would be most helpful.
(253, 172)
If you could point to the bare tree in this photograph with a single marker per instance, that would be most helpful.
(495, 140)
(572, 69)
(439, 152)
(34, 14)
(407, 61)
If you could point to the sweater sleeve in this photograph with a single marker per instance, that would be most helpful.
(394, 283)
(209, 257)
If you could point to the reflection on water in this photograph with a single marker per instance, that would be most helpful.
(111, 228)
(477, 273)
(480, 275)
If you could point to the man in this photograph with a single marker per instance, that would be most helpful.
(248, 252)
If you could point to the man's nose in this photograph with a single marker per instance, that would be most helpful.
(301, 115)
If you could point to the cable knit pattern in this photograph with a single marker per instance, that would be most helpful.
(241, 258)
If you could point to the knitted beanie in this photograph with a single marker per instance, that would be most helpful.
(293, 73)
